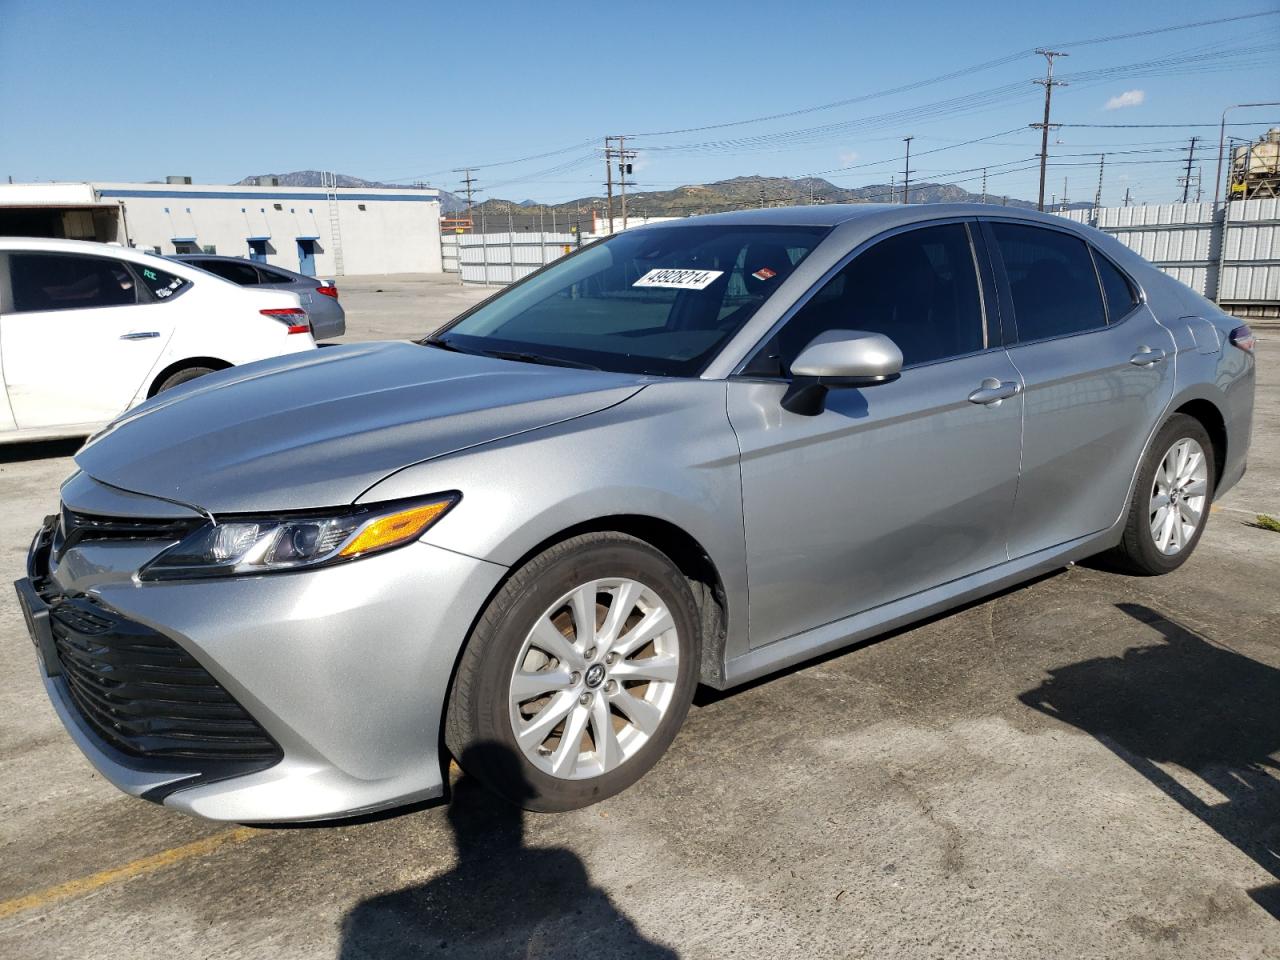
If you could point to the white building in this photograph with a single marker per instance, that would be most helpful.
(317, 231)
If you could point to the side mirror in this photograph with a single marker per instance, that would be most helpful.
(839, 358)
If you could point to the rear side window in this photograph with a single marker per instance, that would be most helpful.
(1052, 281)
(270, 276)
(919, 288)
(52, 281)
(161, 284)
(1120, 295)
(241, 273)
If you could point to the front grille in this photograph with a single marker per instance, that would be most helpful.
(144, 694)
(74, 527)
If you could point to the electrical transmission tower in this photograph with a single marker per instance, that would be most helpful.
(1049, 83)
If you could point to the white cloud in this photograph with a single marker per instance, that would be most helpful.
(1130, 98)
(848, 157)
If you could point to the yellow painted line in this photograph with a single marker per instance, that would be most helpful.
(138, 868)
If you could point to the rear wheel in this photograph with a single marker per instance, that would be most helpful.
(182, 376)
(578, 675)
(1170, 500)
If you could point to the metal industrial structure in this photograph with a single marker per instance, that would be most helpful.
(1255, 168)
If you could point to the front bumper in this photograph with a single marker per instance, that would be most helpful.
(346, 668)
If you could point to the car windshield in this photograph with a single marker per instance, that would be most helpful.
(659, 300)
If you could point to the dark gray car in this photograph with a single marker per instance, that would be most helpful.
(318, 297)
(694, 452)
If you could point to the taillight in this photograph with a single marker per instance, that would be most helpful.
(1243, 338)
(292, 317)
(329, 290)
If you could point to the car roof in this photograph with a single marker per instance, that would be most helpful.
(835, 214)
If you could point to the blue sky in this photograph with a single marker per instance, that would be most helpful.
(403, 91)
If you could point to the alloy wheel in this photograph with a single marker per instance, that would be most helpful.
(1178, 496)
(594, 678)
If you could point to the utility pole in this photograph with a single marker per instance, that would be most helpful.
(1126, 196)
(1186, 179)
(893, 188)
(984, 184)
(762, 196)
(1065, 201)
(1097, 197)
(623, 156)
(1049, 83)
(906, 173)
(468, 187)
(608, 181)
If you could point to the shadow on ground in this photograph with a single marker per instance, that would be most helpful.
(1193, 704)
(503, 899)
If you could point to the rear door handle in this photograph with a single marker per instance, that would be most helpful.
(140, 335)
(993, 391)
(1146, 356)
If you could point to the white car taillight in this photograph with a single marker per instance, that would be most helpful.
(294, 318)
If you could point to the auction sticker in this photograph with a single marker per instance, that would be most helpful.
(679, 279)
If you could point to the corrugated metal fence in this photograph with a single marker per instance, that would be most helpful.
(1186, 240)
(494, 259)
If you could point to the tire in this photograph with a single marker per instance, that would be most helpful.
(1140, 551)
(600, 690)
(182, 376)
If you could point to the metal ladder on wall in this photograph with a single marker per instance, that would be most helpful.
(330, 183)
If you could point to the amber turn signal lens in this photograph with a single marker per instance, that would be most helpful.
(396, 528)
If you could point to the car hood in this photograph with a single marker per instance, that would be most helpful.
(318, 429)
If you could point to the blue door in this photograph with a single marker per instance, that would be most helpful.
(258, 251)
(307, 257)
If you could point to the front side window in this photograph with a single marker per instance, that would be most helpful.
(54, 281)
(1120, 296)
(1051, 279)
(659, 300)
(918, 288)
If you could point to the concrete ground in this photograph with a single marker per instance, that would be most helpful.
(1086, 766)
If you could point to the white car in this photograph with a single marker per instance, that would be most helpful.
(88, 330)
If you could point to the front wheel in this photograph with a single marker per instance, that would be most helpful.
(578, 674)
(1170, 500)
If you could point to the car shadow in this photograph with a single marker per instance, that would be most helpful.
(503, 898)
(1193, 704)
(39, 449)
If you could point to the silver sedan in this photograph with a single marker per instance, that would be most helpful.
(696, 452)
(318, 297)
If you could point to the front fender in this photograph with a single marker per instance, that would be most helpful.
(667, 453)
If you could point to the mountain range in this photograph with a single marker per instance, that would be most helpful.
(735, 193)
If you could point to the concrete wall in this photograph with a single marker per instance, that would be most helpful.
(381, 231)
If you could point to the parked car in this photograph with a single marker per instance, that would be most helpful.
(694, 452)
(318, 297)
(89, 330)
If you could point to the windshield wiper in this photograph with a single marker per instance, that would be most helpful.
(538, 358)
(442, 344)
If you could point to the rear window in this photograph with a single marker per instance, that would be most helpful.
(54, 281)
(270, 276)
(241, 273)
(161, 284)
(1052, 280)
(1120, 295)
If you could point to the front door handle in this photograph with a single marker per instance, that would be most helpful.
(992, 391)
(1146, 356)
(140, 335)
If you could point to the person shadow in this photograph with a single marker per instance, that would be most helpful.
(502, 899)
(1193, 704)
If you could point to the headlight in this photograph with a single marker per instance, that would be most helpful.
(238, 546)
